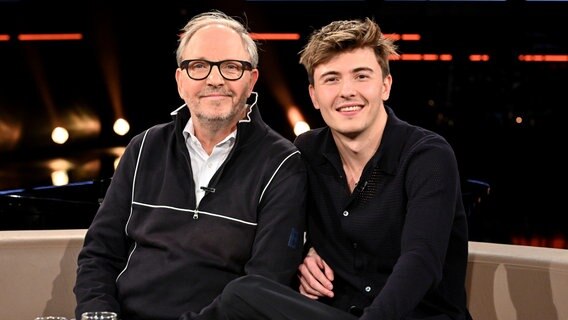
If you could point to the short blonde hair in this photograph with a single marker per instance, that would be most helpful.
(346, 35)
(216, 17)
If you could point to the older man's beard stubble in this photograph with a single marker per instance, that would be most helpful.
(217, 121)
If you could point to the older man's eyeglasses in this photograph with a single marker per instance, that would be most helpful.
(199, 69)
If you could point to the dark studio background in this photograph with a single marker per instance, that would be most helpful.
(126, 61)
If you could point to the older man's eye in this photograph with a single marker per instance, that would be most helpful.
(199, 65)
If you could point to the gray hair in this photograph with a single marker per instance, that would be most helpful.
(211, 18)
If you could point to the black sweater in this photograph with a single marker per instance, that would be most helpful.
(152, 253)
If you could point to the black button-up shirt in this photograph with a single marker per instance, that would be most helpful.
(398, 243)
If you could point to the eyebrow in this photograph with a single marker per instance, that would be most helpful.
(329, 73)
(361, 69)
(335, 73)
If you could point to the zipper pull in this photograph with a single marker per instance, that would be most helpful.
(195, 215)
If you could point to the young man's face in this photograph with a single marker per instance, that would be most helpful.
(349, 91)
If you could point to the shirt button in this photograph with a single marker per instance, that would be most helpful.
(367, 289)
(345, 213)
(356, 311)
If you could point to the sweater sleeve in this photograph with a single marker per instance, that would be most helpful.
(278, 245)
(105, 251)
(432, 189)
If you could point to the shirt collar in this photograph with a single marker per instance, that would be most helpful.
(189, 135)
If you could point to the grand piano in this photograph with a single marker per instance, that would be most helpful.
(70, 206)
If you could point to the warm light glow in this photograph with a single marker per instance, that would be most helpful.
(403, 37)
(275, 36)
(4, 37)
(59, 164)
(294, 115)
(49, 36)
(81, 122)
(543, 57)
(10, 133)
(430, 57)
(117, 152)
(59, 135)
(121, 127)
(116, 161)
(556, 241)
(59, 177)
(301, 127)
(410, 37)
(518, 120)
(59, 168)
(478, 57)
(296, 119)
(392, 36)
(422, 57)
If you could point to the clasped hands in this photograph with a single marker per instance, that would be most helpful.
(315, 276)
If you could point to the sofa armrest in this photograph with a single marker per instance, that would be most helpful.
(517, 282)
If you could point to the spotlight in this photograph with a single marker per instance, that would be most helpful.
(59, 135)
(121, 127)
(301, 127)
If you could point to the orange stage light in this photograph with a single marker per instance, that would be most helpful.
(49, 36)
(275, 36)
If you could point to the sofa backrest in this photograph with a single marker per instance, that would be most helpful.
(37, 273)
(513, 282)
(504, 282)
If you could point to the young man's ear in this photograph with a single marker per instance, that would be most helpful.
(387, 85)
(311, 90)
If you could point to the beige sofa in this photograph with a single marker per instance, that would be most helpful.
(504, 282)
(511, 282)
(37, 273)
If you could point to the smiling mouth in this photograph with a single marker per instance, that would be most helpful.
(349, 108)
(214, 96)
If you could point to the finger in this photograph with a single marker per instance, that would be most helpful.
(305, 291)
(313, 257)
(328, 272)
(311, 283)
(323, 275)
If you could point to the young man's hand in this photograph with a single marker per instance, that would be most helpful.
(315, 276)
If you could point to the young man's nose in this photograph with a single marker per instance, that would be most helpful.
(347, 88)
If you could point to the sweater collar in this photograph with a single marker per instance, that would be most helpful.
(251, 125)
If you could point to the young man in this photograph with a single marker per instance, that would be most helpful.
(195, 203)
(387, 230)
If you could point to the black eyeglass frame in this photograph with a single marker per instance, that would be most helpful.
(246, 66)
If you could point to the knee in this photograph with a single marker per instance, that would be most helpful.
(237, 289)
(237, 297)
(239, 286)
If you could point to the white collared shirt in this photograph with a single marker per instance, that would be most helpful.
(202, 164)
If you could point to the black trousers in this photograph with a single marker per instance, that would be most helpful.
(257, 298)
